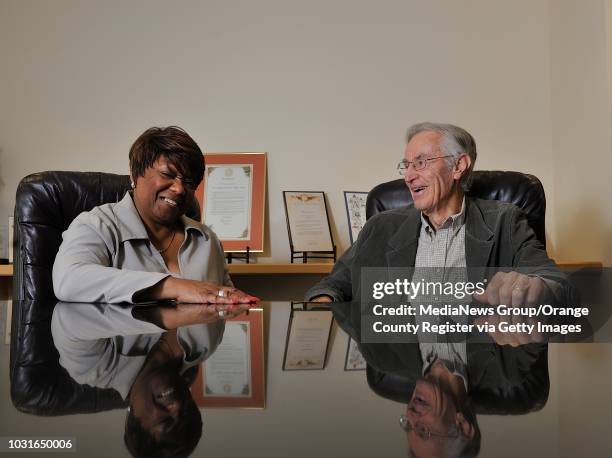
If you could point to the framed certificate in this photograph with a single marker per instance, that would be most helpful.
(232, 199)
(233, 376)
(307, 222)
(354, 359)
(355, 202)
(307, 339)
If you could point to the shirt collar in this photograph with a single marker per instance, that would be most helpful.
(131, 226)
(456, 221)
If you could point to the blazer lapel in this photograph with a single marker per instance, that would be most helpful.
(478, 242)
(403, 245)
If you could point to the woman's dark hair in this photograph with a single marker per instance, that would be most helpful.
(180, 441)
(171, 142)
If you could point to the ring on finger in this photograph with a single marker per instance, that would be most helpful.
(221, 293)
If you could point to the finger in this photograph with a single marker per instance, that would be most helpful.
(243, 298)
(517, 297)
(536, 291)
(492, 291)
(505, 288)
(215, 299)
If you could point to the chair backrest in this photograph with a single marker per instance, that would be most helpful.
(521, 189)
(45, 205)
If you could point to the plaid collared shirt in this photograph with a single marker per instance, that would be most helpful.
(440, 257)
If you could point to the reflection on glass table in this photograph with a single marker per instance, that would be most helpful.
(332, 411)
(445, 383)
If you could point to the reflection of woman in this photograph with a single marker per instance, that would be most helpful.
(143, 247)
(150, 356)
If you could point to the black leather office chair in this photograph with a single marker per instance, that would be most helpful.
(45, 205)
(526, 192)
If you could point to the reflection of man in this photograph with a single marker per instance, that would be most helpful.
(150, 356)
(445, 229)
(438, 421)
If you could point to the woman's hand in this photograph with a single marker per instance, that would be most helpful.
(197, 292)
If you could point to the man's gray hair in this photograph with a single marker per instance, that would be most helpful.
(455, 141)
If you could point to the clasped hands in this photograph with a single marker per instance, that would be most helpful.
(513, 289)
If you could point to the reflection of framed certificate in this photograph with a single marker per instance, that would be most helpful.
(354, 359)
(307, 221)
(233, 376)
(355, 211)
(307, 339)
(232, 197)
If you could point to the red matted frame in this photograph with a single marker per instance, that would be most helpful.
(258, 195)
(257, 400)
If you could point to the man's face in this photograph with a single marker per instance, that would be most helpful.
(433, 408)
(435, 188)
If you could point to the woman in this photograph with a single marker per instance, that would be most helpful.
(150, 356)
(144, 248)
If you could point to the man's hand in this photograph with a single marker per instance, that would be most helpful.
(517, 334)
(513, 289)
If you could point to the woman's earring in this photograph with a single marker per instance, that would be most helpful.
(132, 184)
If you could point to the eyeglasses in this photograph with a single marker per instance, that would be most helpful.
(418, 164)
(188, 183)
(423, 431)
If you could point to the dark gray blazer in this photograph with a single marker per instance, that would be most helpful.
(496, 234)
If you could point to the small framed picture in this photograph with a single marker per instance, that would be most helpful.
(307, 221)
(355, 202)
(307, 339)
(354, 359)
(233, 376)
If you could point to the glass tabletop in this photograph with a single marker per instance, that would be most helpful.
(286, 380)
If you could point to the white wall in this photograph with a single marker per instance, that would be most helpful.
(582, 159)
(581, 60)
(326, 88)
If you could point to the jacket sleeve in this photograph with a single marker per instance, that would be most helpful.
(83, 272)
(531, 258)
(339, 283)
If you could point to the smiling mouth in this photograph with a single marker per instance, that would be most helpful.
(172, 203)
(417, 190)
(166, 394)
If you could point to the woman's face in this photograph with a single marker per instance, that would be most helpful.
(157, 399)
(162, 194)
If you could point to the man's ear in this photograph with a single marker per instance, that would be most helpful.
(462, 165)
(467, 429)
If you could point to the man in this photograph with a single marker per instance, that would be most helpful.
(438, 164)
(445, 229)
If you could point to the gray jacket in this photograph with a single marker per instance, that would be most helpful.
(496, 235)
(106, 256)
